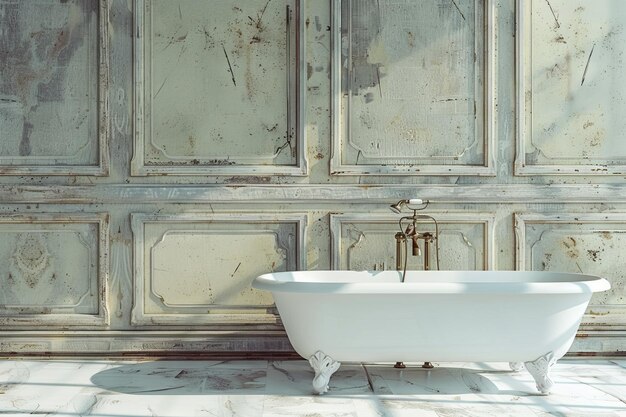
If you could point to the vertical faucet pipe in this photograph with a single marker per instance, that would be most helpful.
(400, 247)
(412, 233)
(427, 239)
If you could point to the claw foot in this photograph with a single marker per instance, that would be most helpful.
(324, 367)
(540, 370)
(516, 366)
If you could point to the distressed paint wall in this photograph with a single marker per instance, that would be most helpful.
(155, 156)
(574, 92)
(396, 108)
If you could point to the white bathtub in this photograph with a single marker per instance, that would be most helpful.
(469, 316)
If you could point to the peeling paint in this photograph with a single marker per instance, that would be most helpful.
(39, 63)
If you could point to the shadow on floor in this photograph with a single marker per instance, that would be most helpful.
(287, 378)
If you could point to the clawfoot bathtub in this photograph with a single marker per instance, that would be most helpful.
(470, 316)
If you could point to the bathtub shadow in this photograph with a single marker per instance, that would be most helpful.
(184, 378)
(385, 380)
(289, 378)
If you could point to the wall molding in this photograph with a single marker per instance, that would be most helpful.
(68, 320)
(216, 344)
(306, 193)
(102, 109)
(488, 168)
(146, 343)
(523, 57)
(485, 219)
(192, 166)
(246, 315)
(599, 317)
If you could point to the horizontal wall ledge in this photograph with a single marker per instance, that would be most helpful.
(144, 343)
(216, 345)
(297, 193)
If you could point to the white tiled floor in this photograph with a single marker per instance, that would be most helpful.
(279, 389)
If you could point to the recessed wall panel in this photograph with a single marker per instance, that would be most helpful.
(50, 75)
(570, 89)
(367, 242)
(198, 269)
(580, 243)
(218, 87)
(412, 87)
(53, 270)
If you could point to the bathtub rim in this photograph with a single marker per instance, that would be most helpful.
(583, 284)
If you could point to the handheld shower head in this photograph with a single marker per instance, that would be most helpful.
(397, 207)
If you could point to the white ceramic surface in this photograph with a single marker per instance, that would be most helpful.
(502, 316)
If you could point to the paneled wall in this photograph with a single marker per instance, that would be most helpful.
(157, 155)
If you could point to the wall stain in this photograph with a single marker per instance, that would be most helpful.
(365, 36)
(36, 64)
(27, 130)
(570, 244)
(247, 180)
(593, 255)
(606, 235)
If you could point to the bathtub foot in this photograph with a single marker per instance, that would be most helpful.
(540, 370)
(324, 366)
(516, 366)
(399, 365)
(428, 365)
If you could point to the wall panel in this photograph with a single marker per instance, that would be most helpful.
(580, 243)
(570, 56)
(218, 88)
(394, 112)
(53, 270)
(53, 71)
(194, 269)
(366, 241)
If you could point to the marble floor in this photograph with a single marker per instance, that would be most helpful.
(84, 387)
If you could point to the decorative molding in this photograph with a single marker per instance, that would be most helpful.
(307, 193)
(599, 317)
(522, 220)
(213, 314)
(212, 343)
(223, 165)
(413, 167)
(103, 160)
(487, 220)
(147, 343)
(524, 114)
(98, 283)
